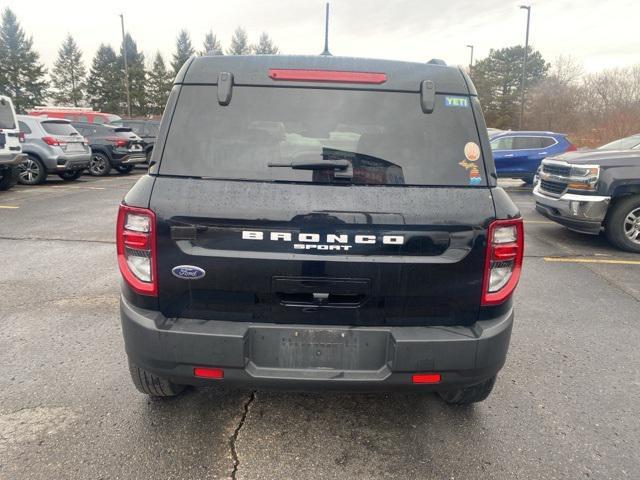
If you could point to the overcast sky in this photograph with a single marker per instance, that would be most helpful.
(600, 34)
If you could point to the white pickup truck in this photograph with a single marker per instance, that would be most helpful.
(10, 150)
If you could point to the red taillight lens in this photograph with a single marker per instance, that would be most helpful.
(117, 142)
(571, 148)
(53, 142)
(21, 137)
(335, 76)
(206, 372)
(503, 261)
(136, 246)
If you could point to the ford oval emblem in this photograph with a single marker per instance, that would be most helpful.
(188, 272)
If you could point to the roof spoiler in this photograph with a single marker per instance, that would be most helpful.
(437, 61)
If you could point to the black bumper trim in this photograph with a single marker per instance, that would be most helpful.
(172, 347)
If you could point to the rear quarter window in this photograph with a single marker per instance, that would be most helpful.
(58, 128)
(385, 135)
(7, 120)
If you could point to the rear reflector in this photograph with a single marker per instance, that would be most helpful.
(425, 378)
(205, 372)
(327, 76)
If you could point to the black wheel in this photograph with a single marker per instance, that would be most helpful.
(153, 385)
(71, 175)
(468, 395)
(124, 168)
(8, 178)
(99, 165)
(31, 171)
(622, 226)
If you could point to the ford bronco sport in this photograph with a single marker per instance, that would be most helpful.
(319, 222)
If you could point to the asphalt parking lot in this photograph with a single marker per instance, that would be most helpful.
(565, 406)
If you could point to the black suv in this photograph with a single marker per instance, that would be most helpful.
(319, 222)
(147, 130)
(111, 147)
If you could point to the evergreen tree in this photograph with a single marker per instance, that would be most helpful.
(265, 46)
(137, 76)
(239, 43)
(184, 50)
(211, 45)
(104, 85)
(158, 85)
(498, 81)
(69, 74)
(22, 76)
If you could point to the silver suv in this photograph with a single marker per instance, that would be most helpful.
(51, 145)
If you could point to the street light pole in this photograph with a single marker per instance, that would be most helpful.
(126, 67)
(326, 32)
(524, 65)
(471, 59)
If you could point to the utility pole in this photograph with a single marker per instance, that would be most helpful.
(524, 65)
(126, 67)
(471, 59)
(326, 32)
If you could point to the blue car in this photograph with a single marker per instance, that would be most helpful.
(518, 154)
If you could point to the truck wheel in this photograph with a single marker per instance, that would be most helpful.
(468, 395)
(31, 171)
(99, 165)
(8, 178)
(70, 176)
(153, 385)
(622, 225)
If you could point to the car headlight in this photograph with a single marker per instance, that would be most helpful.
(584, 177)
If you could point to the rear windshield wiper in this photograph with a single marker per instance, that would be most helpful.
(314, 164)
(341, 168)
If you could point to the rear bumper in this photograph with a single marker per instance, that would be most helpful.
(12, 159)
(309, 357)
(129, 158)
(583, 213)
(72, 162)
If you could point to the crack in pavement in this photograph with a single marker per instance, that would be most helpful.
(234, 436)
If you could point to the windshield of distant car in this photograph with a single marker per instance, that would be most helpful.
(629, 143)
(7, 119)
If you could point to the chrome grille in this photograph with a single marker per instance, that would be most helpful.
(559, 170)
(554, 188)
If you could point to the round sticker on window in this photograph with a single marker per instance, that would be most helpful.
(472, 151)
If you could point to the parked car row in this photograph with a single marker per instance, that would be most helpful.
(591, 191)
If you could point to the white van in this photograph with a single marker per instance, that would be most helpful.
(10, 150)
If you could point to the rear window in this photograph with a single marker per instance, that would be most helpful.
(7, 120)
(59, 128)
(384, 136)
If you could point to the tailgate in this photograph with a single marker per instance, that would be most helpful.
(322, 254)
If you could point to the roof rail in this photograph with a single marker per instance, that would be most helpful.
(437, 61)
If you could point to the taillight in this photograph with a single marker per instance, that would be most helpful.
(21, 137)
(503, 261)
(118, 142)
(136, 246)
(337, 76)
(53, 142)
(571, 148)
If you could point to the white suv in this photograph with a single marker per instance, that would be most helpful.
(10, 150)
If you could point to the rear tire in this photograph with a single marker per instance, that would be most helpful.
(622, 226)
(31, 171)
(124, 169)
(468, 395)
(153, 385)
(70, 176)
(99, 165)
